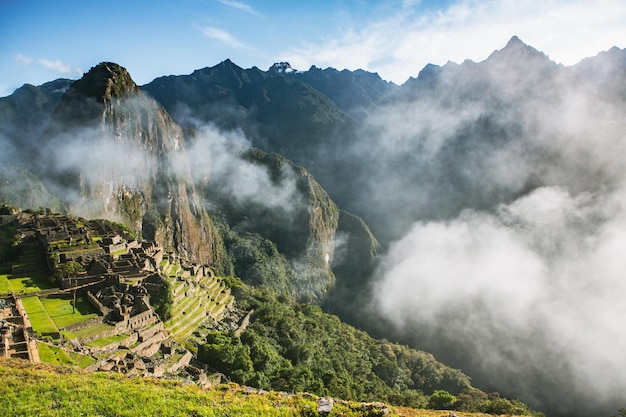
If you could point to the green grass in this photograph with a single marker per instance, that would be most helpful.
(39, 317)
(52, 391)
(24, 283)
(105, 341)
(56, 356)
(5, 288)
(119, 252)
(90, 331)
(60, 310)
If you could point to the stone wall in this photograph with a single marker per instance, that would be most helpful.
(183, 361)
(97, 304)
(141, 320)
(80, 326)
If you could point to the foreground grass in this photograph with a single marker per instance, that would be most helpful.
(51, 391)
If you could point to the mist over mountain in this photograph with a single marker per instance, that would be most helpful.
(495, 189)
(492, 185)
(107, 150)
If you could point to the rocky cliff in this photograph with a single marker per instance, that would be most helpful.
(113, 153)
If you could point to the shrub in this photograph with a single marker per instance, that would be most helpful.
(441, 400)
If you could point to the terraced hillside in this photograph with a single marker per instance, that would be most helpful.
(84, 285)
(199, 298)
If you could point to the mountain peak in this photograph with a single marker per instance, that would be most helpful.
(105, 81)
(515, 42)
(516, 49)
(281, 68)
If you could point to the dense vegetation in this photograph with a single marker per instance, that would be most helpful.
(161, 299)
(297, 347)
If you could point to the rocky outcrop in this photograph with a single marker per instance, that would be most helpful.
(136, 177)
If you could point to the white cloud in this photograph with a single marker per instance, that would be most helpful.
(23, 59)
(541, 278)
(240, 6)
(57, 65)
(222, 36)
(400, 45)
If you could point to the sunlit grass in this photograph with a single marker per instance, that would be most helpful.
(50, 391)
(62, 312)
(56, 356)
(38, 316)
(105, 341)
(24, 283)
(4, 284)
(91, 331)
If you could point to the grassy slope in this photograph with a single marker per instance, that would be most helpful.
(46, 391)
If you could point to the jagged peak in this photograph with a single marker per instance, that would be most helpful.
(105, 81)
(281, 68)
(515, 42)
(516, 48)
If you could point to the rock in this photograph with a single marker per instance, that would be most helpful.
(324, 405)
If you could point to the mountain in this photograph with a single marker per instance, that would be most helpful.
(605, 72)
(29, 108)
(108, 150)
(462, 212)
(458, 143)
(252, 100)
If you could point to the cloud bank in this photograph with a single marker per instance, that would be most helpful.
(513, 270)
(400, 44)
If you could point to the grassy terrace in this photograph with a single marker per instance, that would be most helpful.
(188, 313)
(90, 331)
(39, 317)
(55, 391)
(105, 341)
(24, 283)
(61, 311)
(56, 356)
(47, 315)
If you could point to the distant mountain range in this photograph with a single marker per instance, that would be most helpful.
(316, 172)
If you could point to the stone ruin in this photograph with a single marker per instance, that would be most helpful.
(107, 264)
(15, 329)
(124, 305)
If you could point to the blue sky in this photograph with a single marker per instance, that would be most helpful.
(44, 40)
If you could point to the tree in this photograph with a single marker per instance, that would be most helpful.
(70, 268)
(441, 400)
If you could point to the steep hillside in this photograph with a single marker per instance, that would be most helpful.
(118, 305)
(27, 111)
(253, 100)
(109, 152)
